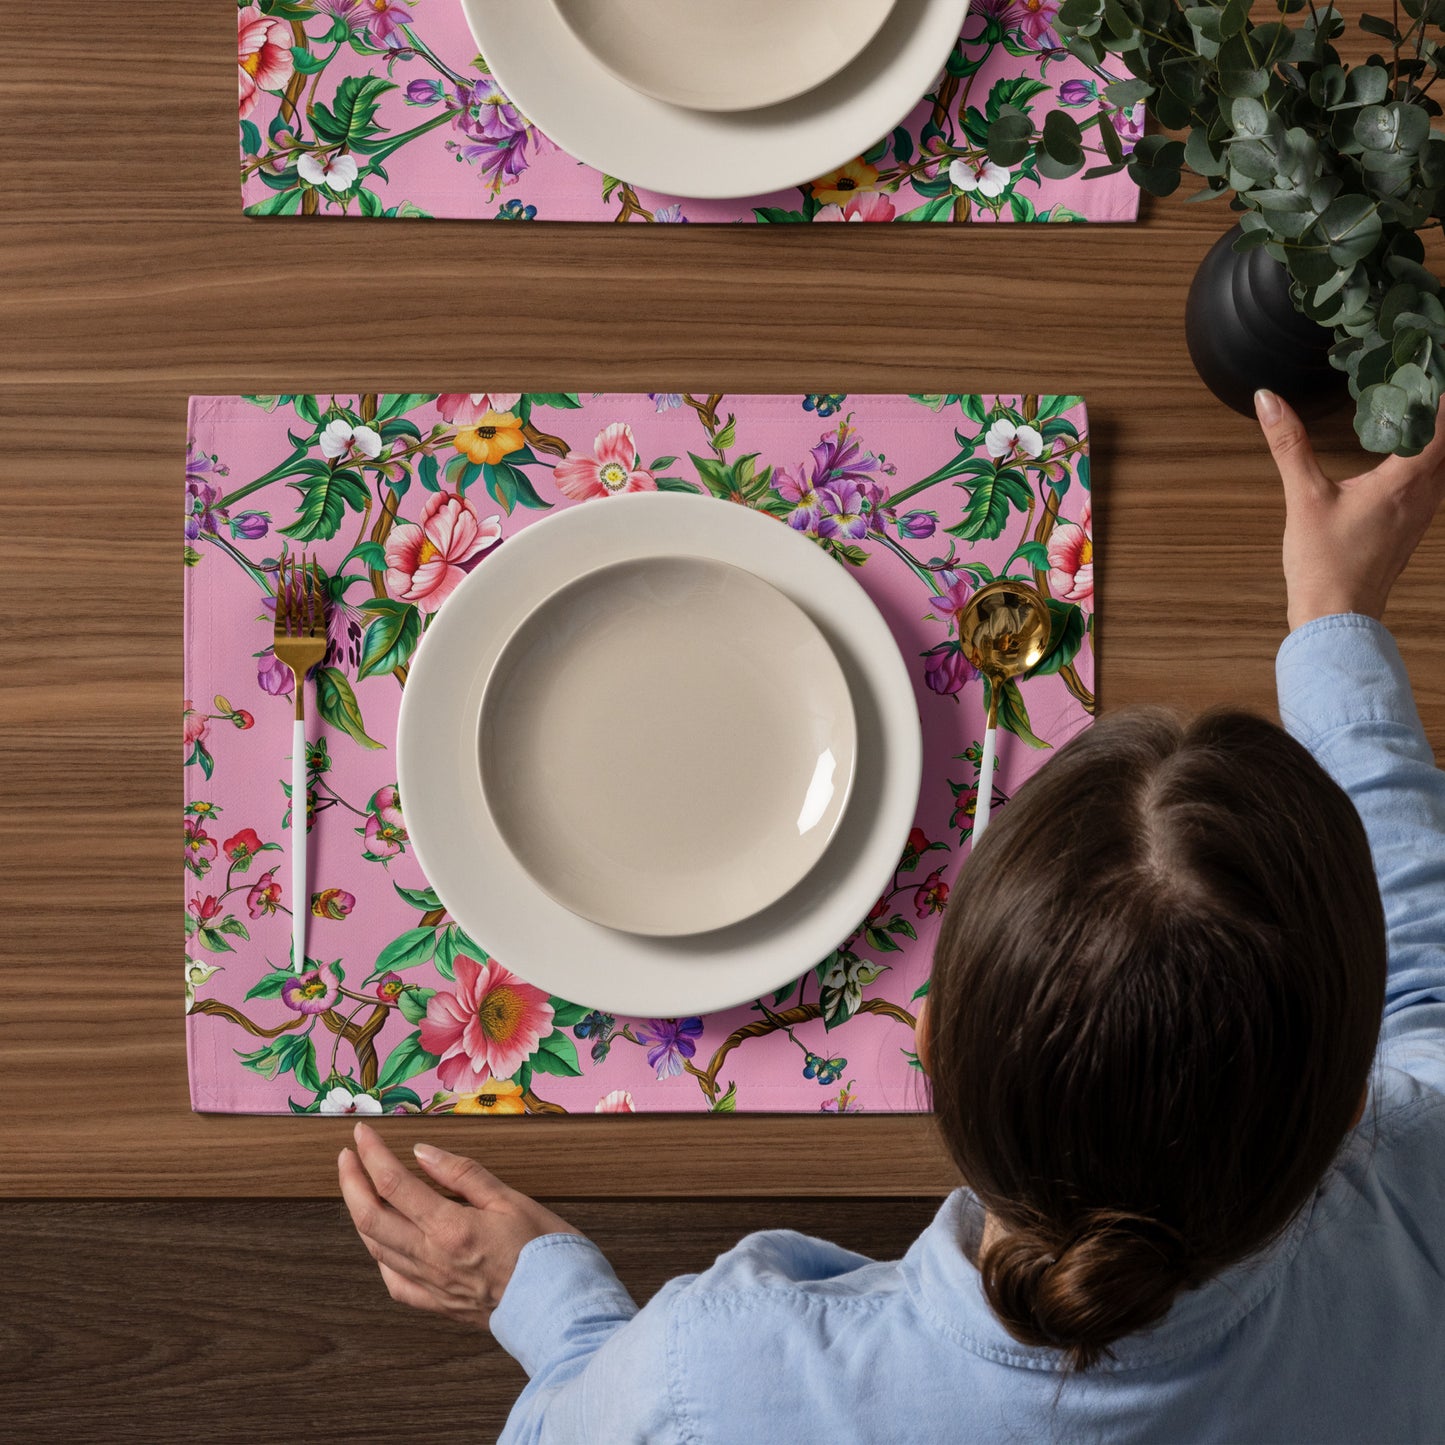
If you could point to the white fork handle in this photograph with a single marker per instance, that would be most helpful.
(985, 784)
(300, 898)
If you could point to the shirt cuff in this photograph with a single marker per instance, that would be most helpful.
(1339, 670)
(560, 1281)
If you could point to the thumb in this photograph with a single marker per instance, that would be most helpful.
(1289, 444)
(461, 1175)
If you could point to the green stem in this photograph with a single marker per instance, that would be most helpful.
(397, 141)
(285, 469)
(922, 573)
(257, 576)
(421, 48)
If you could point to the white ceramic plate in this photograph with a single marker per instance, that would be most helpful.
(724, 54)
(555, 81)
(493, 897)
(667, 745)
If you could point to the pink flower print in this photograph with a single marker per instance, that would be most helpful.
(264, 55)
(385, 834)
(264, 895)
(312, 992)
(467, 409)
(426, 560)
(619, 1101)
(932, 895)
(488, 1028)
(200, 847)
(384, 18)
(870, 206)
(332, 903)
(950, 603)
(611, 469)
(194, 725)
(1071, 558)
(206, 909)
(1035, 21)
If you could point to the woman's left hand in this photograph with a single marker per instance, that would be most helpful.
(434, 1253)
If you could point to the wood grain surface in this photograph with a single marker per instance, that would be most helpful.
(129, 279)
(264, 1322)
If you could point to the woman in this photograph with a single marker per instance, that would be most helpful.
(1206, 1183)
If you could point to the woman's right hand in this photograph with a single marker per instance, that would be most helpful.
(1346, 542)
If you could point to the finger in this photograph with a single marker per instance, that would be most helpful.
(407, 1292)
(396, 1185)
(1289, 444)
(371, 1216)
(461, 1175)
(1393, 470)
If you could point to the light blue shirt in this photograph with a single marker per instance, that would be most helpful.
(1335, 1332)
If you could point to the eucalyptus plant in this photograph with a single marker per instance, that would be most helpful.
(1334, 169)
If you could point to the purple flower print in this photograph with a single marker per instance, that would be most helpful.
(250, 526)
(669, 1042)
(799, 491)
(670, 215)
(836, 462)
(951, 601)
(665, 400)
(497, 129)
(1034, 20)
(1130, 125)
(273, 676)
(917, 525)
(383, 20)
(841, 511)
(423, 92)
(946, 669)
(203, 510)
(837, 458)
(1078, 92)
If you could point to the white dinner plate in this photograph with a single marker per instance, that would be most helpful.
(493, 897)
(737, 55)
(557, 83)
(667, 745)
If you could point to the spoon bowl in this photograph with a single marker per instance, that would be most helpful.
(1005, 631)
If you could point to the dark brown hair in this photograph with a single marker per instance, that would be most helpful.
(1154, 1006)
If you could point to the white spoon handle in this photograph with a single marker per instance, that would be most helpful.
(300, 898)
(985, 784)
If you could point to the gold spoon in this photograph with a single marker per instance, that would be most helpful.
(1005, 632)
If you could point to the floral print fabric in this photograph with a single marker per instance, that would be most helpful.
(398, 497)
(379, 108)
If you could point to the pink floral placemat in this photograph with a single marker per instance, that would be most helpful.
(384, 108)
(398, 496)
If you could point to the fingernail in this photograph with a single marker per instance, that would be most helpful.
(359, 1129)
(341, 1157)
(426, 1153)
(1266, 407)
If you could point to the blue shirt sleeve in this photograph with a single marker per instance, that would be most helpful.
(603, 1371)
(597, 1366)
(1344, 693)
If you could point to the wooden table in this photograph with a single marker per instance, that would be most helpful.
(129, 279)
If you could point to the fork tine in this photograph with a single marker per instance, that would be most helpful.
(313, 597)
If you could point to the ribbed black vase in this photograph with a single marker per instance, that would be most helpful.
(1244, 333)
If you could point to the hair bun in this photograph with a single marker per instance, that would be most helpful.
(1115, 1274)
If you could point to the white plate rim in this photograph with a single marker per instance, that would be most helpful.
(536, 58)
(850, 726)
(884, 10)
(488, 893)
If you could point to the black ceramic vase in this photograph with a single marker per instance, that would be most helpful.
(1244, 333)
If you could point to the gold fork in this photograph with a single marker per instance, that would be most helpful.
(300, 644)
